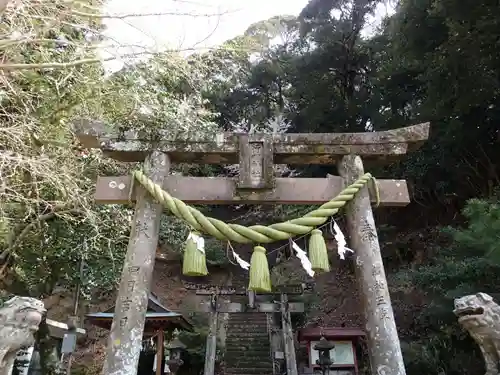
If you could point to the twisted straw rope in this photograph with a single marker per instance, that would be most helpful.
(255, 233)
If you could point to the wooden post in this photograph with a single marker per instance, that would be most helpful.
(251, 299)
(383, 342)
(288, 342)
(211, 349)
(124, 344)
(160, 352)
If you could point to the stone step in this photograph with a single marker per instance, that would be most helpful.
(245, 363)
(251, 347)
(249, 354)
(241, 352)
(241, 328)
(249, 320)
(244, 346)
(244, 335)
(252, 350)
(248, 345)
(250, 315)
(238, 330)
(248, 350)
(248, 371)
(246, 329)
(246, 366)
(247, 325)
(253, 322)
(264, 349)
(240, 362)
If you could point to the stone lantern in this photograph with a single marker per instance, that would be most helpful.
(176, 347)
(324, 347)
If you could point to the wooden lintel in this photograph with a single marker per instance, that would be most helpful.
(295, 149)
(225, 307)
(222, 190)
(202, 292)
(264, 307)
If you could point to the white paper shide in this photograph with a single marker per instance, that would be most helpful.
(304, 260)
(342, 249)
(198, 240)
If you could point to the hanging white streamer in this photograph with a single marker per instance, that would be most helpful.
(243, 264)
(199, 240)
(341, 242)
(301, 254)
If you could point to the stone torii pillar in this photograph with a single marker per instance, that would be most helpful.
(385, 350)
(124, 345)
(256, 184)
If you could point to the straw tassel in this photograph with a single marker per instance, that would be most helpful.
(318, 254)
(260, 278)
(194, 263)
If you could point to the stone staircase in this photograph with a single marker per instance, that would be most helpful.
(248, 350)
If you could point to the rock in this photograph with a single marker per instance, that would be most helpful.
(480, 316)
(19, 320)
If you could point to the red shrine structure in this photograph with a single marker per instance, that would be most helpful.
(159, 320)
(343, 355)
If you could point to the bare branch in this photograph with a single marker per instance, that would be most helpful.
(3, 5)
(69, 64)
(137, 15)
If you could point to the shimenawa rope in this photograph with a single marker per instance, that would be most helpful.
(258, 234)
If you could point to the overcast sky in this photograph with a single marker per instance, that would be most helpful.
(225, 19)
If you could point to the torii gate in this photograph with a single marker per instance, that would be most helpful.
(256, 184)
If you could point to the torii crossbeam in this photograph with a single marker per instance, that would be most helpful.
(256, 184)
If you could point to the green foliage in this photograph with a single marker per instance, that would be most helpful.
(157, 98)
(447, 353)
(216, 252)
(174, 231)
(48, 220)
(481, 235)
(312, 303)
(472, 261)
(196, 342)
(469, 265)
(58, 247)
(46, 205)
